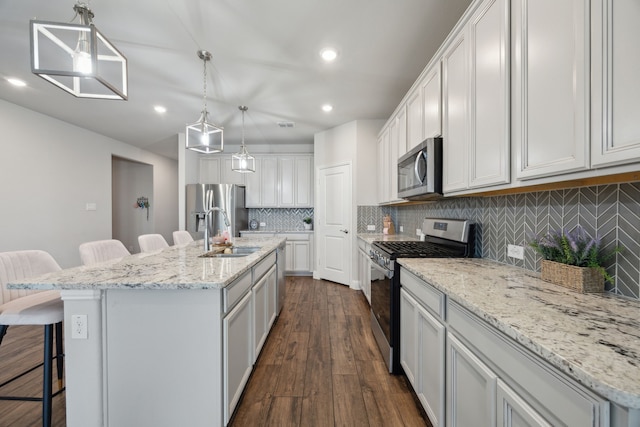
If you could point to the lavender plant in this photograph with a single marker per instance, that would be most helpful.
(574, 248)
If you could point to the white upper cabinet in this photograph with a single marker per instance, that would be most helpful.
(384, 182)
(284, 181)
(216, 169)
(210, 168)
(414, 119)
(550, 84)
(455, 129)
(615, 83)
(489, 156)
(431, 104)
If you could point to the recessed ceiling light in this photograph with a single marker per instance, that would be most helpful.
(326, 108)
(328, 54)
(160, 109)
(16, 82)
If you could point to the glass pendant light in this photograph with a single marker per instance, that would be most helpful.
(78, 58)
(203, 136)
(242, 161)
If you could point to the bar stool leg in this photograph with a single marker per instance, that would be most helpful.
(46, 383)
(3, 330)
(59, 354)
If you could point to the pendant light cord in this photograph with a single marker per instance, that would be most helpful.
(205, 83)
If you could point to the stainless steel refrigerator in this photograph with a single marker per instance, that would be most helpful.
(230, 197)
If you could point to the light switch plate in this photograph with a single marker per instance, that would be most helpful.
(371, 227)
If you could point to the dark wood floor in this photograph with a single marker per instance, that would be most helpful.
(22, 348)
(320, 366)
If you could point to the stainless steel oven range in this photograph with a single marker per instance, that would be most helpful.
(444, 238)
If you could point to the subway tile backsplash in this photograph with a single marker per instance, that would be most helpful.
(611, 212)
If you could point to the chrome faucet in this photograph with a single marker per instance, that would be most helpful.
(208, 202)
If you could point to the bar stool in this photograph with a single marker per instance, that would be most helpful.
(101, 250)
(27, 307)
(182, 237)
(152, 242)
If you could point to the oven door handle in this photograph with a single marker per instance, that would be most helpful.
(388, 273)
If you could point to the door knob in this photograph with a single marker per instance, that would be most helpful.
(345, 231)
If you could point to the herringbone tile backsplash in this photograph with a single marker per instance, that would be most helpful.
(280, 219)
(611, 212)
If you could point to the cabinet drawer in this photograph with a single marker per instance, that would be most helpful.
(558, 398)
(263, 266)
(294, 236)
(426, 294)
(235, 291)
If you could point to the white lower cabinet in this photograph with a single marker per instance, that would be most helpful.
(250, 304)
(513, 411)
(422, 347)
(467, 373)
(264, 309)
(471, 385)
(238, 353)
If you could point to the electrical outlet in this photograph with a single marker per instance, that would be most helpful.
(515, 251)
(79, 326)
(418, 231)
(371, 227)
(263, 224)
(401, 229)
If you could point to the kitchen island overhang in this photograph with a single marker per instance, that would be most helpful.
(157, 325)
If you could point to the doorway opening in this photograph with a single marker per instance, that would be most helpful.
(131, 201)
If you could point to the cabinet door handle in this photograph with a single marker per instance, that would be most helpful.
(345, 231)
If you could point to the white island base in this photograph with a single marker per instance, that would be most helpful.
(151, 358)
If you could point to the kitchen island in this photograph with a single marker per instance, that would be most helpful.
(165, 338)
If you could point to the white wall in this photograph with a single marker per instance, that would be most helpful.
(50, 170)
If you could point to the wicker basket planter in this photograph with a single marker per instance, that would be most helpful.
(581, 279)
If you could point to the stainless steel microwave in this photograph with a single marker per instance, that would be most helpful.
(420, 171)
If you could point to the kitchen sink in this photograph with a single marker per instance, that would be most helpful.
(236, 252)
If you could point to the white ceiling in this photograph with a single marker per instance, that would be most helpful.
(265, 56)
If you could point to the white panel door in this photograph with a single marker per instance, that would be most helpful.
(550, 78)
(513, 411)
(489, 138)
(304, 181)
(455, 126)
(471, 388)
(616, 87)
(432, 102)
(238, 353)
(430, 380)
(333, 223)
(269, 183)
(287, 182)
(408, 337)
(414, 119)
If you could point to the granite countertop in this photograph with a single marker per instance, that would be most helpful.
(593, 338)
(176, 267)
(376, 237)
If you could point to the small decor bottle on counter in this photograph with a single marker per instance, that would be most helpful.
(387, 225)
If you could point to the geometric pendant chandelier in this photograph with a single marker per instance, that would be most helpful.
(78, 58)
(203, 136)
(242, 161)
